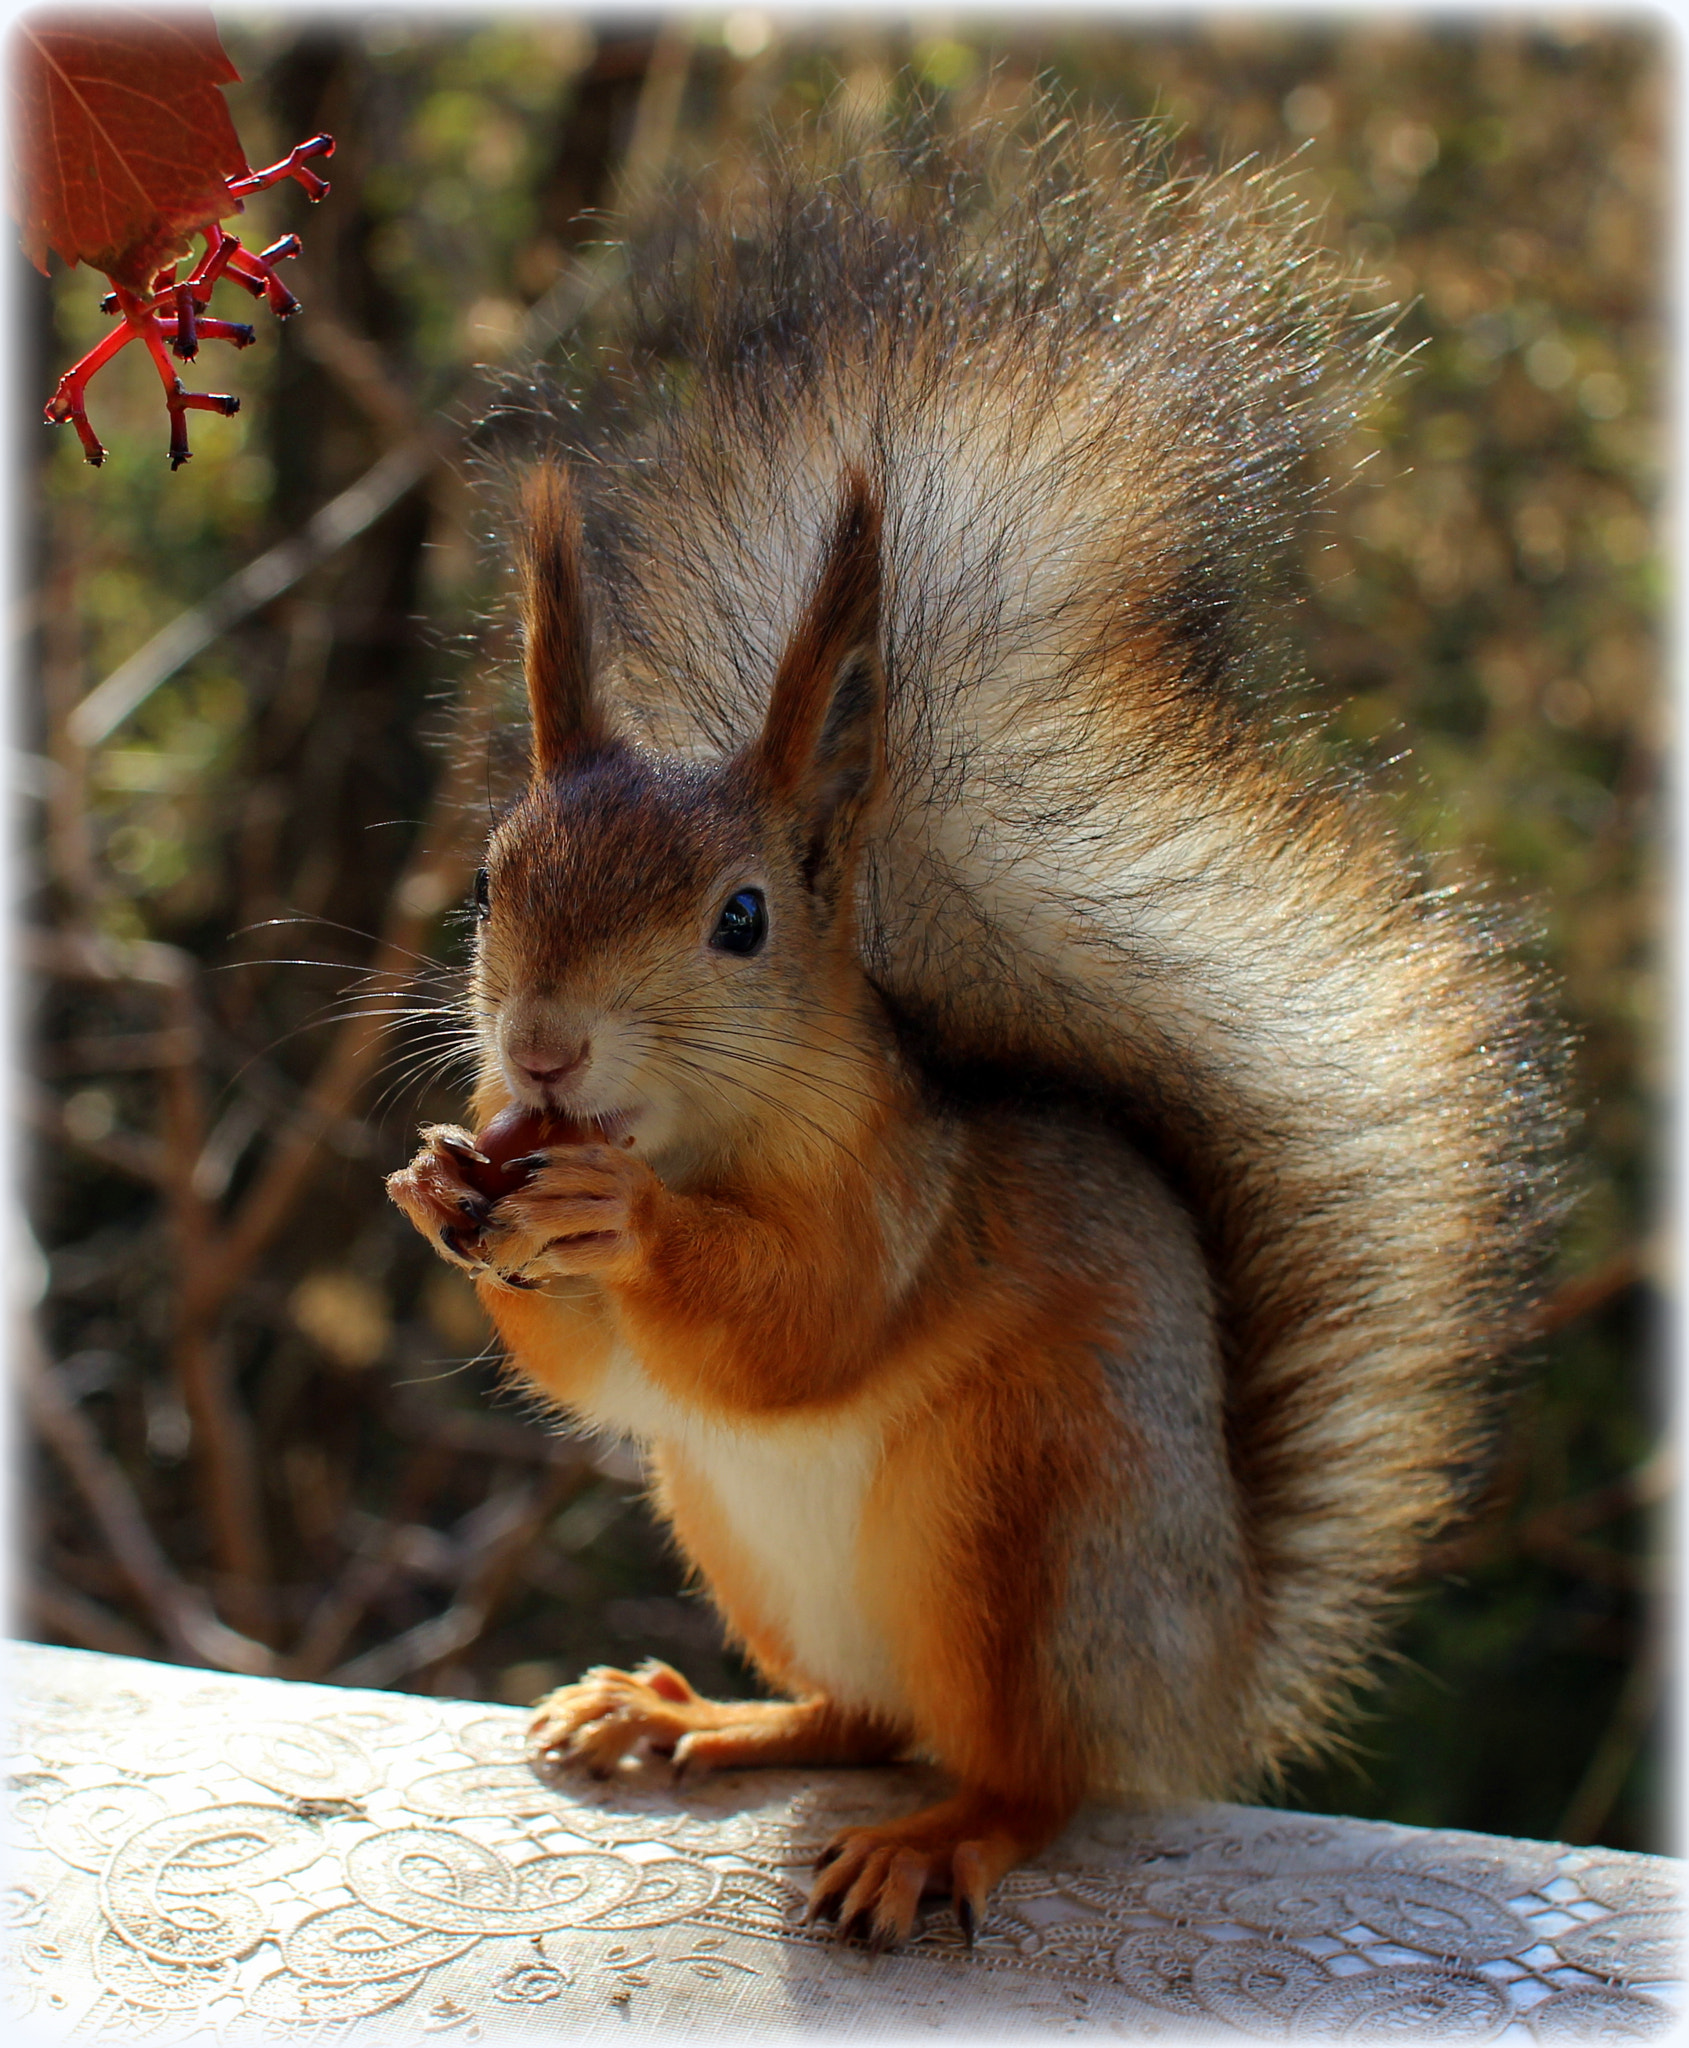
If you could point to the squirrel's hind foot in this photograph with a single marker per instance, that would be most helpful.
(871, 1880)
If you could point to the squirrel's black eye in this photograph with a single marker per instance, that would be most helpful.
(743, 923)
(483, 899)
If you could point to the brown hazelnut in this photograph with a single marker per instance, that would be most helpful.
(508, 1141)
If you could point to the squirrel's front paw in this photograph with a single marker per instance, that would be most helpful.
(580, 1212)
(609, 1715)
(436, 1194)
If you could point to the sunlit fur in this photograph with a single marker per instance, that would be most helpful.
(1110, 1201)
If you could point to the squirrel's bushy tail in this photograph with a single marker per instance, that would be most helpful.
(1088, 396)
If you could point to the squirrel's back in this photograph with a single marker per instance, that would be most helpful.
(1088, 397)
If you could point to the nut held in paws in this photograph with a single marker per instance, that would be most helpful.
(508, 1140)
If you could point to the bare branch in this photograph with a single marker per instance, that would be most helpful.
(58, 1610)
(1597, 1792)
(488, 1582)
(370, 1569)
(656, 117)
(224, 1455)
(342, 519)
(182, 1613)
(490, 1436)
(359, 367)
(437, 873)
(129, 1152)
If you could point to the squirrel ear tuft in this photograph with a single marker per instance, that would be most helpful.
(822, 743)
(567, 718)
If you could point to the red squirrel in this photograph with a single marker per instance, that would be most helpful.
(1027, 1157)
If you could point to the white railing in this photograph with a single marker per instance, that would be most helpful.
(209, 1857)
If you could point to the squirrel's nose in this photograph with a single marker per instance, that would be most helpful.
(547, 1068)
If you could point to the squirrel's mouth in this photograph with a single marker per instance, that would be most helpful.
(609, 1125)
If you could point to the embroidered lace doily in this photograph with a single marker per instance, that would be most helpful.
(210, 1858)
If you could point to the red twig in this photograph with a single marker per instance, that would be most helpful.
(220, 245)
(184, 343)
(169, 315)
(141, 318)
(235, 331)
(256, 274)
(293, 165)
(66, 406)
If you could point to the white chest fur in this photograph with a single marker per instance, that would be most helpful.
(790, 1492)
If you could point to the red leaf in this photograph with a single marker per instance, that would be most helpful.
(122, 138)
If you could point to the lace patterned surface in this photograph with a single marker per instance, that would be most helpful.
(211, 1858)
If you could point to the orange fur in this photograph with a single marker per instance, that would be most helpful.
(754, 1301)
(561, 1339)
(945, 1543)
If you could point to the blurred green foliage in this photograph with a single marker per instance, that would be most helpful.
(1481, 614)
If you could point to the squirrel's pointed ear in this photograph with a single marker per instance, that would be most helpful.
(823, 742)
(567, 718)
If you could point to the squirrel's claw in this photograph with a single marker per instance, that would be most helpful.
(874, 1895)
(606, 1715)
(576, 1213)
(452, 1239)
(871, 1880)
(970, 1885)
(454, 1139)
(609, 1717)
(440, 1202)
